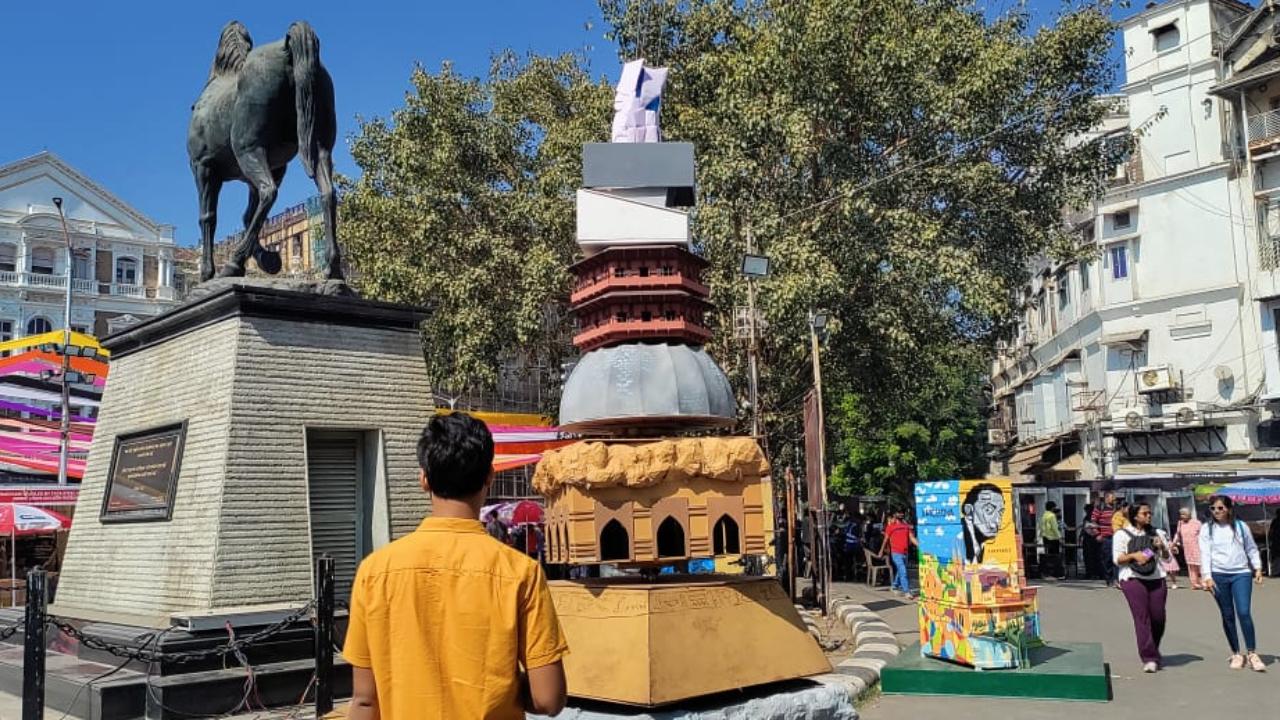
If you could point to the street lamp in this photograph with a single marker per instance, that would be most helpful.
(65, 427)
(754, 267)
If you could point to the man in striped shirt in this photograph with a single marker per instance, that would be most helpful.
(1103, 515)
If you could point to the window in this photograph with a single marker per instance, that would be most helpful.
(614, 542)
(725, 539)
(644, 272)
(1119, 262)
(619, 272)
(1085, 269)
(8, 257)
(671, 315)
(1043, 307)
(6, 333)
(620, 317)
(42, 261)
(295, 246)
(1120, 220)
(646, 316)
(82, 265)
(1064, 287)
(1165, 37)
(126, 271)
(39, 325)
(671, 539)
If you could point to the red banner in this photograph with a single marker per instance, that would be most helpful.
(812, 451)
(39, 496)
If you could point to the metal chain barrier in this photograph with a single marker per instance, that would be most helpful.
(143, 654)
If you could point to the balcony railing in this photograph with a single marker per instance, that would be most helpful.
(1269, 252)
(128, 290)
(1264, 128)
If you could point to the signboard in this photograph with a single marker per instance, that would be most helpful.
(144, 474)
(39, 496)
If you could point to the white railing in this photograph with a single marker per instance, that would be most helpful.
(1269, 252)
(10, 277)
(84, 286)
(45, 281)
(127, 290)
(1264, 126)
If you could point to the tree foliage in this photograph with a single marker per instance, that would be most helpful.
(900, 161)
(465, 205)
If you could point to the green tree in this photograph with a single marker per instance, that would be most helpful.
(464, 204)
(900, 161)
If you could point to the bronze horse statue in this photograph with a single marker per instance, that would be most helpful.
(259, 108)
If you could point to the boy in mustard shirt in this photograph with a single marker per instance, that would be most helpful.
(445, 619)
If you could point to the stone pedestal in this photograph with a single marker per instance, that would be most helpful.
(251, 369)
(653, 644)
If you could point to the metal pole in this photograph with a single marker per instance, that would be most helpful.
(751, 345)
(791, 533)
(324, 635)
(33, 648)
(65, 426)
(825, 568)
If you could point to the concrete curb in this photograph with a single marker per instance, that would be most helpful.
(874, 645)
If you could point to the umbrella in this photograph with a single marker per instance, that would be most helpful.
(1264, 491)
(16, 520)
(526, 512)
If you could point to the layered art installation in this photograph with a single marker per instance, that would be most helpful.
(975, 605)
(649, 489)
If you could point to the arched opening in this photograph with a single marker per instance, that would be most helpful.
(614, 543)
(39, 325)
(671, 539)
(563, 532)
(724, 537)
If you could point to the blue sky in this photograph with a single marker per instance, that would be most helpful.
(108, 86)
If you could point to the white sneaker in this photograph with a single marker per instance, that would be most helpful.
(1149, 667)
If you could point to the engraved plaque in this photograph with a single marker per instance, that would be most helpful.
(144, 474)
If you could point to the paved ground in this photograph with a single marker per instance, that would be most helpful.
(1196, 683)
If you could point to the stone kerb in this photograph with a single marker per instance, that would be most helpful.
(874, 645)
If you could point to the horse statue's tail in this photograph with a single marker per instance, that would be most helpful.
(304, 50)
(233, 48)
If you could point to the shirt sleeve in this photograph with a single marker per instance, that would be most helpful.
(1119, 546)
(356, 649)
(1251, 548)
(1206, 552)
(541, 638)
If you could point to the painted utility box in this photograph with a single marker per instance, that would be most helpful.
(975, 606)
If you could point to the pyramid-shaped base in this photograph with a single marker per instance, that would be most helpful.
(656, 643)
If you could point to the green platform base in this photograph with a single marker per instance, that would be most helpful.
(1059, 671)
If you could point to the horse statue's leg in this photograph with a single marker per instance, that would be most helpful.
(324, 183)
(257, 172)
(268, 260)
(208, 185)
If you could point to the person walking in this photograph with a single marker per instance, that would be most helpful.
(1137, 551)
(1051, 535)
(1103, 519)
(898, 538)
(1089, 544)
(448, 623)
(1228, 556)
(1186, 542)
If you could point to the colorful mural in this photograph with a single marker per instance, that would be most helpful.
(975, 606)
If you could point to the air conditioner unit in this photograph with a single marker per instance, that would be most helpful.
(1155, 378)
(1129, 420)
(997, 436)
(1182, 415)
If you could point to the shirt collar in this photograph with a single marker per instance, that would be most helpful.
(462, 525)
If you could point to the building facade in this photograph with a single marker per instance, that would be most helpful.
(297, 233)
(1152, 365)
(123, 262)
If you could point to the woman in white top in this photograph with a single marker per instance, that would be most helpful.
(1138, 551)
(1228, 556)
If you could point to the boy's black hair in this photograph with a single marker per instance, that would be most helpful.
(456, 453)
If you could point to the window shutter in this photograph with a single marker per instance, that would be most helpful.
(333, 480)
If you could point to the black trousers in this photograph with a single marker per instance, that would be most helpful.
(1052, 562)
